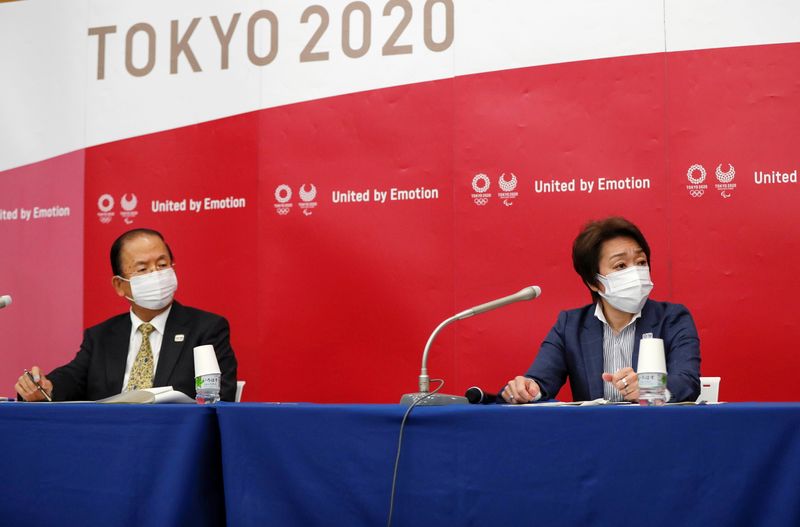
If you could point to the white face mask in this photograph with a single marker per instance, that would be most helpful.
(153, 290)
(627, 290)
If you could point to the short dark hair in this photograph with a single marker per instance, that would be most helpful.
(587, 246)
(119, 243)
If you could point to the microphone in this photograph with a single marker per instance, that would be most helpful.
(477, 396)
(5, 301)
(528, 293)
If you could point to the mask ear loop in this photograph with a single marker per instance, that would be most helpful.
(605, 282)
(124, 280)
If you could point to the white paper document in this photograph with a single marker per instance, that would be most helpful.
(594, 402)
(160, 395)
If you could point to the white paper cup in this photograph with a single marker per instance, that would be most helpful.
(205, 361)
(651, 356)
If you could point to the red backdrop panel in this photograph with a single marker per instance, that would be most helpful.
(350, 292)
(567, 122)
(734, 258)
(41, 266)
(215, 250)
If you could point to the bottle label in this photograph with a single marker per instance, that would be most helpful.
(207, 382)
(652, 381)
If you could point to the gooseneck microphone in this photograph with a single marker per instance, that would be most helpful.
(477, 396)
(5, 301)
(528, 293)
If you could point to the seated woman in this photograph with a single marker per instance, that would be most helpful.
(597, 345)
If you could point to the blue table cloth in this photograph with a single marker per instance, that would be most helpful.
(302, 464)
(93, 464)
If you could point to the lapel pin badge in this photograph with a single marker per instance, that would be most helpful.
(179, 338)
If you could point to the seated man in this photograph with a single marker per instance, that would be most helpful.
(151, 345)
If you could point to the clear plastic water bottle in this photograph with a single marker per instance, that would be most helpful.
(207, 388)
(653, 389)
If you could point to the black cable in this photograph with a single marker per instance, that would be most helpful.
(400, 444)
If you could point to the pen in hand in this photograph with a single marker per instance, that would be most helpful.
(39, 387)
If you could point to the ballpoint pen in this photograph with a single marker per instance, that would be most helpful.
(39, 386)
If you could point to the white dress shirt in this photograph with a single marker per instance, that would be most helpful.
(159, 323)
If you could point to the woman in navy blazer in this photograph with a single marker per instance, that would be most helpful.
(596, 346)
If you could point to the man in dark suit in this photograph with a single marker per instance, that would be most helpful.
(151, 345)
(597, 346)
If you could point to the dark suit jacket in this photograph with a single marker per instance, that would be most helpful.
(98, 369)
(574, 349)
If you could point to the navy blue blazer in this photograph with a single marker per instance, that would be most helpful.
(98, 369)
(574, 349)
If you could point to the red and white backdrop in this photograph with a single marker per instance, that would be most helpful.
(337, 178)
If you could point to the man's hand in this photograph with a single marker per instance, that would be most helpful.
(520, 390)
(626, 382)
(27, 388)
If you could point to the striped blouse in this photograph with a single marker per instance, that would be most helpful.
(617, 351)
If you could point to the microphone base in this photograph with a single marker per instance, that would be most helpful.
(437, 399)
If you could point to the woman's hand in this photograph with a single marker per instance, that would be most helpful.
(626, 382)
(520, 390)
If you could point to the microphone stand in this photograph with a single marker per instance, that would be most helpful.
(437, 399)
(424, 397)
